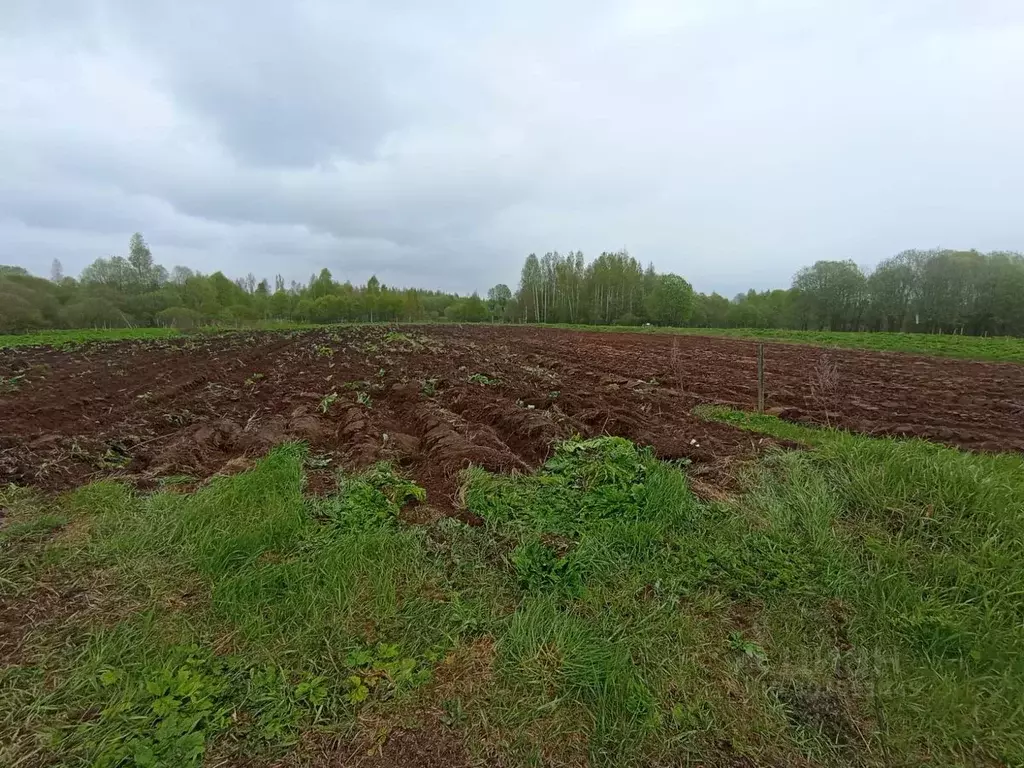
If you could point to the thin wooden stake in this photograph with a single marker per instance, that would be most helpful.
(760, 378)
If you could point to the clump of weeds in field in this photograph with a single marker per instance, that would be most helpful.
(432, 345)
(255, 379)
(116, 456)
(364, 399)
(169, 711)
(371, 499)
(401, 341)
(383, 671)
(327, 401)
(324, 351)
(454, 713)
(748, 648)
(429, 387)
(540, 568)
(480, 378)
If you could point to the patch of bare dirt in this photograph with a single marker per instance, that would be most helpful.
(445, 397)
(431, 745)
(49, 606)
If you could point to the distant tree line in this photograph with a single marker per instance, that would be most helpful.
(613, 289)
(135, 291)
(936, 291)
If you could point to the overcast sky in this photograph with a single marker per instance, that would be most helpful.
(436, 144)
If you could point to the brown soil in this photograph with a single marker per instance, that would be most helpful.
(428, 744)
(423, 737)
(201, 405)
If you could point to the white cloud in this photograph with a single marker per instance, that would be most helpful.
(729, 141)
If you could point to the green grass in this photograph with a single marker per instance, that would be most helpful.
(82, 336)
(64, 338)
(1007, 349)
(859, 603)
(999, 349)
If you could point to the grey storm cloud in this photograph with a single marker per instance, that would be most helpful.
(437, 144)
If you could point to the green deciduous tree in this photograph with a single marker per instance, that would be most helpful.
(892, 290)
(835, 293)
(498, 298)
(467, 310)
(670, 300)
(140, 258)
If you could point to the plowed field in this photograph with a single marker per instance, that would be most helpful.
(436, 398)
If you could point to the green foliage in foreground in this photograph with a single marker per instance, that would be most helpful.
(859, 604)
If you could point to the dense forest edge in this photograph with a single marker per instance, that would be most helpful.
(921, 292)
